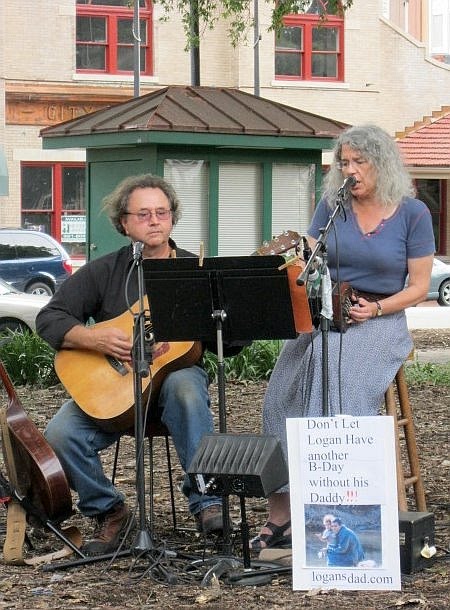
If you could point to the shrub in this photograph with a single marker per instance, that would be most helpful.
(253, 363)
(427, 373)
(28, 359)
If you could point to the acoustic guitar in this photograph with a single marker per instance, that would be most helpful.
(33, 468)
(103, 387)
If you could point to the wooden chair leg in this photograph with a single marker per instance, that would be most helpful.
(403, 422)
(391, 409)
(407, 422)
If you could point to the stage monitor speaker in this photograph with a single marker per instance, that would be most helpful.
(416, 530)
(247, 465)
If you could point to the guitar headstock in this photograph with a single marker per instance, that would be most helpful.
(279, 244)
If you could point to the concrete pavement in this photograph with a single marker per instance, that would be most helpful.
(428, 317)
(423, 317)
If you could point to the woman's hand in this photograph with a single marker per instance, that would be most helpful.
(362, 310)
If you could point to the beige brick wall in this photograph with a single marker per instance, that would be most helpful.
(388, 78)
(17, 138)
(38, 39)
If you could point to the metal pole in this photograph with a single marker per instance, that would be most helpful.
(136, 49)
(256, 40)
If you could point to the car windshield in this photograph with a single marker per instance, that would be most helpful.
(7, 289)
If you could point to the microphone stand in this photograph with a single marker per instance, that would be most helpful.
(142, 359)
(325, 289)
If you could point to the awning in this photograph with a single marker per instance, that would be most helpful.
(4, 179)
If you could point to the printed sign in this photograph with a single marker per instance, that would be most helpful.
(73, 228)
(344, 503)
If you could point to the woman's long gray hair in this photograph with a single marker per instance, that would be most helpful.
(378, 148)
(116, 203)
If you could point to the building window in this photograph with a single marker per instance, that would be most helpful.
(310, 47)
(105, 36)
(53, 202)
(433, 192)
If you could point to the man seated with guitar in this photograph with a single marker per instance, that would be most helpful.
(144, 208)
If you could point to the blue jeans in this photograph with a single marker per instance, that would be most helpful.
(77, 440)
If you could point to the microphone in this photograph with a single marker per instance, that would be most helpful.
(306, 249)
(138, 246)
(313, 280)
(348, 183)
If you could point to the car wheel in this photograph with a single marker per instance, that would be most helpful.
(13, 326)
(444, 293)
(39, 288)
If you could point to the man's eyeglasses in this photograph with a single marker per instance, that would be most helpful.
(160, 213)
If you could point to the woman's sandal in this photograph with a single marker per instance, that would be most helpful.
(277, 539)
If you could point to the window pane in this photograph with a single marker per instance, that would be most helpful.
(91, 57)
(324, 65)
(73, 188)
(324, 39)
(37, 221)
(91, 29)
(289, 38)
(288, 64)
(125, 31)
(125, 59)
(37, 188)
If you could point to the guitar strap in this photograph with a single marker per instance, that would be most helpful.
(16, 516)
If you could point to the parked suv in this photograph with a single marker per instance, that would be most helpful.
(32, 261)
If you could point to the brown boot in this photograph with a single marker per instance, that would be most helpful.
(210, 520)
(108, 531)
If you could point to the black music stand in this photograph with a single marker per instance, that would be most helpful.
(222, 299)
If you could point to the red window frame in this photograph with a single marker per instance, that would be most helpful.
(56, 211)
(307, 22)
(112, 14)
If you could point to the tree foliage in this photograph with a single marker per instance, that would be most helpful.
(239, 14)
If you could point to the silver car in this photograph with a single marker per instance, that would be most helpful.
(18, 310)
(440, 283)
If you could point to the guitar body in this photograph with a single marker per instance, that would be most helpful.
(104, 387)
(33, 468)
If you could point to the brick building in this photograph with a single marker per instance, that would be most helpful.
(62, 60)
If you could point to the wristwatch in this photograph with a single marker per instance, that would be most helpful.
(379, 309)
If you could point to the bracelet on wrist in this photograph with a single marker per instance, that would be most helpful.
(379, 311)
